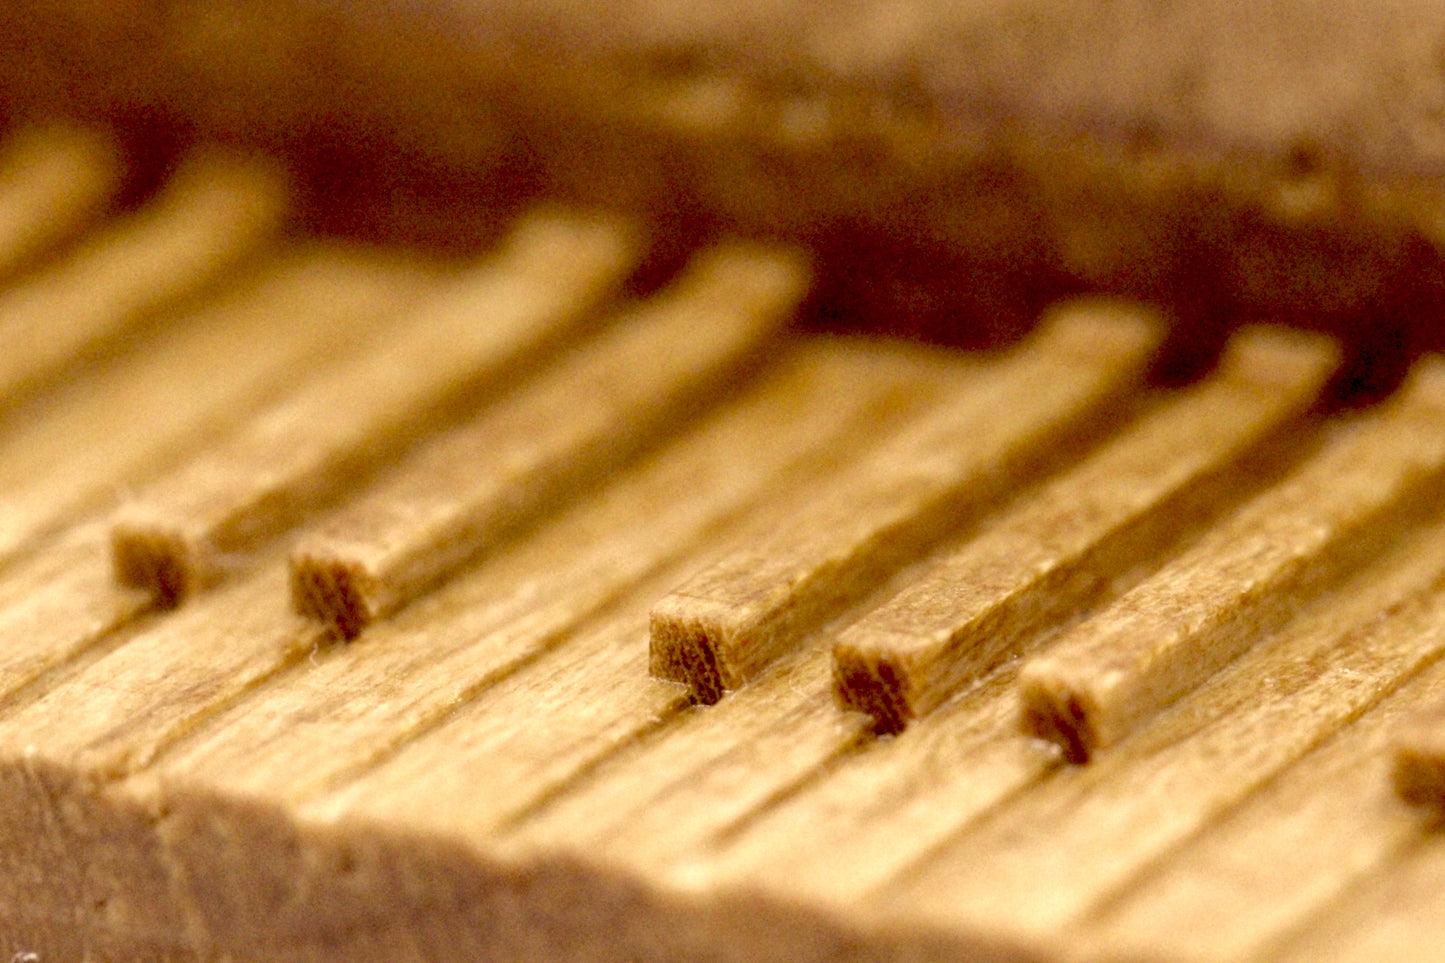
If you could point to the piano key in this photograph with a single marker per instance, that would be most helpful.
(1054, 855)
(643, 377)
(1107, 676)
(69, 454)
(54, 181)
(337, 428)
(311, 730)
(726, 624)
(215, 211)
(1055, 554)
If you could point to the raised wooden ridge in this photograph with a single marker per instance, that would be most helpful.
(491, 771)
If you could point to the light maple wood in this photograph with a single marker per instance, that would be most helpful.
(54, 180)
(491, 622)
(216, 210)
(1082, 535)
(1161, 639)
(1273, 867)
(334, 431)
(493, 774)
(726, 624)
(1055, 855)
(58, 604)
(608, 399)
(1390, 915)
(100, 435)
(315, 720)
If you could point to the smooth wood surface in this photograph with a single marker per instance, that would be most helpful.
(54, 181)
(1084, 535)
(643, 376)
(215, 211)
(1247, 575)
(333, 432)
(726, 624)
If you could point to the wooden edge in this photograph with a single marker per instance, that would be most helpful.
(681, 648)
(883, 671)
(145, 868)
(334, 591)
(1418, 760)
(170, 564)
(1059, 714)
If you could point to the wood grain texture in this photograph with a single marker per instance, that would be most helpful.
(1058, 853)
(1083, 535)
(334, 431)
(726, 624)
(493, 622)
(492, 772)
(642, 377)
(215, 211)
(1248, 574)
(1273, 867)
(54, 180)
(107, 431)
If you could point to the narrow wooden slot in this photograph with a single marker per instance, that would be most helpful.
(731, 620)
(1244, 578)
(53, 181)
(607, 400)
(1061, 549)
(216, 210)
(122, 423)
(659, 803)
(335, 429)
(113, 714)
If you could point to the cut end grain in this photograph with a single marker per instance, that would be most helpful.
(684, 649)
(872, 682)
(1418, 764)
(333, 591)
(1055, 711)
(151, 554)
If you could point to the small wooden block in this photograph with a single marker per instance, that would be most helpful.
(1081, 534)
(336, 429)
(599, 405)
(1246, 576)
(731, 620)
(476, 631)
(1419, 759)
